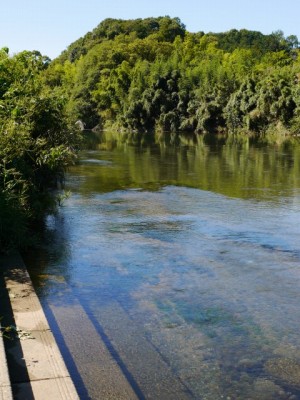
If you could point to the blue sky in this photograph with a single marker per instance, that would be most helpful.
(51, 25)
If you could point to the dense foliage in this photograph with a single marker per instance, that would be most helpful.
(149, 74)
(35, 145)
(136, 75)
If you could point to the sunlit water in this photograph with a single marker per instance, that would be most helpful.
(177, 268)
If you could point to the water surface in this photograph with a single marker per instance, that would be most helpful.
(172, 271)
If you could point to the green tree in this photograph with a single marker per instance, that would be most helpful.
(36, 145)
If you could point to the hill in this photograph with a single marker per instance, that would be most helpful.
(148, 74)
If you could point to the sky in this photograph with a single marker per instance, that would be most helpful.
(49, 26)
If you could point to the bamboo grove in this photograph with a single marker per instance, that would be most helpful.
(152, 74)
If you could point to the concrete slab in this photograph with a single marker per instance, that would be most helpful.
(41, 356)
(4, 377)
(28, 314)
(5, 388)
(58, 388)
(39, 371)
(5, 393)
(95, 363)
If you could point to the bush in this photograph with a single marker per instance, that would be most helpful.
(36, 146)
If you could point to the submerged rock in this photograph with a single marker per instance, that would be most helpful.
(284, 368)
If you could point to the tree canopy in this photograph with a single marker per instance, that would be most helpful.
(148, 74)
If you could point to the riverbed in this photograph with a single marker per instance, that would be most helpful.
(172, 269)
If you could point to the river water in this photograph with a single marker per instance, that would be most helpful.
(172, 271)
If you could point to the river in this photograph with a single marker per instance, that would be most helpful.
(172, 271)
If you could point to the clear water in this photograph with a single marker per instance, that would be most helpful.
(173, 269)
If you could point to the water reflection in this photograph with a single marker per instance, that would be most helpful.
(242, 168)
(182, 293)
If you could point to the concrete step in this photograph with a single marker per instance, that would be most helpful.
(5, 387)
(36, 367)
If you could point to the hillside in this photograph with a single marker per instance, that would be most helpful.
(149, 74)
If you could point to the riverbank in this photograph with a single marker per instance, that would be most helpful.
(30, 361)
